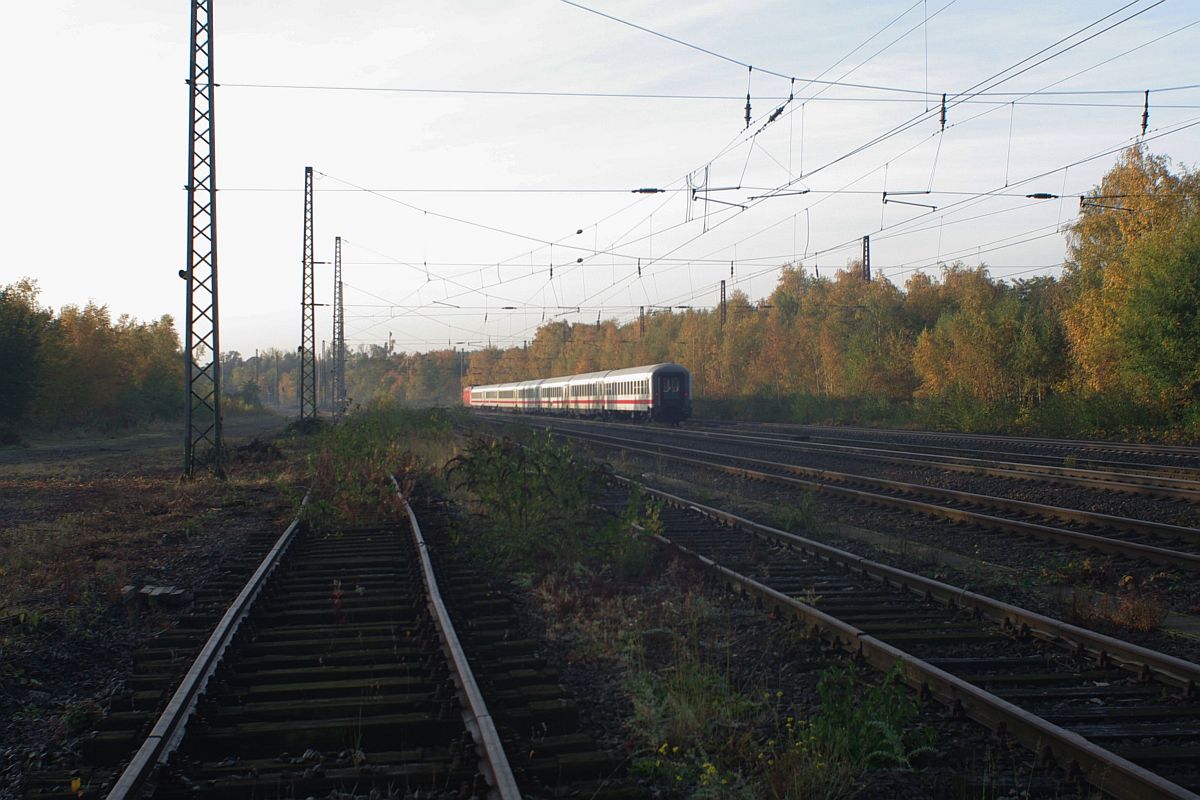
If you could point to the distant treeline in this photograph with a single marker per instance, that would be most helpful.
(1111, 347)
(79, 367)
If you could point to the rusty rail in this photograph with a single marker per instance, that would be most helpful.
(492, 759)
(1150, 663)
(169, 729)
(1158, 555)
(1114, 774)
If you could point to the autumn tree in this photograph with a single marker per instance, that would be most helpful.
(23, 330)
(993, 343)
(1159, 331)
(1109, 265)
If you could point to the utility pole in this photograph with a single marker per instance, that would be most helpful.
(722, 303)
(308, 326)
(641, 322)
(339, 333)
(866, 258)
(201, 348)
(278, 402)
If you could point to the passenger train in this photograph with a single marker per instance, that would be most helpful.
(660, 392)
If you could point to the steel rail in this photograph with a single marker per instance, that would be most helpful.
(1130, 448)
(1038, 509)
(953, 445)
(1159, 555)
(1110, 480)
(168, 730)
(493, 761)
(1106, 770)
(1138, 483)
(1105, 649)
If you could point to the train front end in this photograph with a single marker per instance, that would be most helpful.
(671, 394)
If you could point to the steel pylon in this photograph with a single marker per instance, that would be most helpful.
(308, 326)
(201, 349)
(339, 333)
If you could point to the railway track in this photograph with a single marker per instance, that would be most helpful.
(552, 756)
(1129, 479)
(338, 671)
(1132, 479)
(1121, 456)
(157, 669)
(334, 670)
(1167, 545)
(1125, 718)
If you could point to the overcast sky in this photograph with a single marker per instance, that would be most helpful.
(93, 150)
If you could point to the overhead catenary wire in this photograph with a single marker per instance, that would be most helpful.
(1064, 39)
(681, 260)
(980, 98)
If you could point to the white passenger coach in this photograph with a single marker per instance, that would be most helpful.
(661, 392)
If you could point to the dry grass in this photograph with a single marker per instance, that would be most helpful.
(81, 522)
(1132, 609)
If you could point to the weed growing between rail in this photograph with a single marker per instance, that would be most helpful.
(722, 740)
(533, 509)
(709, 718)
(351, 462)
(1100, 595)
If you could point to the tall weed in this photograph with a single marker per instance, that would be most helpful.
(351, 462)
(534, 505)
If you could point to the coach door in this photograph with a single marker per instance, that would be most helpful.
(672, 388)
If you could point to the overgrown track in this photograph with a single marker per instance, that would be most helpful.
(1125, 718)
(335, 674)
(1160, 543)
(552, 755)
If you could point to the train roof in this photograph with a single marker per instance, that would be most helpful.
(632, 372)
(649, 369)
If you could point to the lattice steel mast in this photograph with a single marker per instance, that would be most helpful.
(308, 326)
(339, 333)
(201, 348)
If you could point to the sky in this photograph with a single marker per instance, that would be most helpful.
(454, 202)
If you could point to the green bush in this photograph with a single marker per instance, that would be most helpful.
(535, 508)
(351, 462)
(871, 729)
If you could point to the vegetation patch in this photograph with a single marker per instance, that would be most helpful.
(88, 524)
(708, 718)
(532, 503)
(1101, 595)
(1132, 609)
(351, 462)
